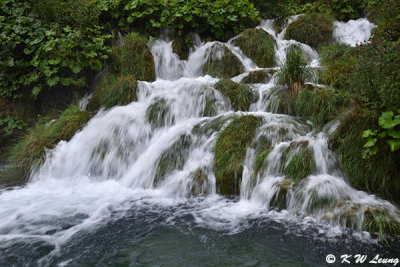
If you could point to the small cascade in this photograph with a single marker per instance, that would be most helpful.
(159, 150)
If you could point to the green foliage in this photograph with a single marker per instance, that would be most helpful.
(36, 54)
(390, 132)
(134, 58)
(258, 45)
(9, 126)
(295, 70)
(240, 95)
(222, 63)
(30, 150)
(113, 90)
(338, 61)
(320, 105)
(257, 76)
(378, 174)
(230, 151)
(343, 9)
(380, 222)
(312, 29)
(218, 18)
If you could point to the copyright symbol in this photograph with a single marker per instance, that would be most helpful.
(330, 258)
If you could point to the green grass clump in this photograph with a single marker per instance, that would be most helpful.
(263, 149)
(156, 113)
(312, 29)
(295, 71)
(320, 105)
(379, 221)
(259, 46)
(30, 150)
(240, 95)
(134, 58)
(230, 151)
(377, 175)
(222, 63)
(338, 61)
(113, 90)
(300, 162)
(257, 76)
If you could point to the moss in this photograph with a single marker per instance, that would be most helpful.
(312, 29)
(257, 76)
(222, 63)
(262, 151)
(156, 113)
(113, 90)
(240, 95)
(320, 105)
(258, 45)
(230, 151)
(30, 150)
(379, 174)
(300, 161)
(134, 58)
(172, 159)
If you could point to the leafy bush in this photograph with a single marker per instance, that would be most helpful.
(240, 95)
(258, 45)
(9, 126)
(312, 29)
(230, 151)
(35, 55)
(220, 19)
(295, 71)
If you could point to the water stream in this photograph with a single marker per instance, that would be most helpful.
(101, 198)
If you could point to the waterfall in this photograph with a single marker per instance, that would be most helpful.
(116, 161)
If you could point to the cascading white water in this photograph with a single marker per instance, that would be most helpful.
(113, 162)
(353, 32)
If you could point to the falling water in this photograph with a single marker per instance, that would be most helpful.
(112, 166)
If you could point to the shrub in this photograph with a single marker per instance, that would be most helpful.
(295, 71)
(37, 55)
(230, 151)
(240, 95)
(222, 63)
(258, 45)
(134, 58)
(30, 150)
(312, 29)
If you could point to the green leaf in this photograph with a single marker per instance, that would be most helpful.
(386, 120)
(369, 132)
(394, 133)
(370, 142)
(53, 81)
(394, 145)
(75, 68)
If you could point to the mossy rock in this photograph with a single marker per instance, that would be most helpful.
(259, 46)
(156, 113)
(312, 29)
(172, 159)
(222, 63)
(30, 150)
(264, 147)
(230, 152)
(199, 183)
(240, 95)
(257, 76)
(113, 90)
(279, 200)
(299, 161)
(134, 58)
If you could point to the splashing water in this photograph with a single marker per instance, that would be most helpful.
(158, 154)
